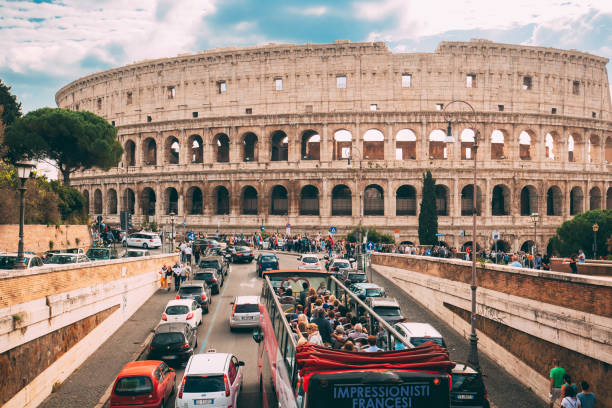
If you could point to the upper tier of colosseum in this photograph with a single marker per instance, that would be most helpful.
(346, 77)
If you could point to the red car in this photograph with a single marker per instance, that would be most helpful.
(143, 384)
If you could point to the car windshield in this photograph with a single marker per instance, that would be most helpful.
(342, 264)
(466, 382)
(7, 262)
(310, 259)
(373, 292)
(177, 310)
(190, 290)
(164, 339)
(208, 264)
(247, 308)
(98, 253)
(268, 259)
(62, 259)
(387, 311)
(357, 277)
(415, 341)
(201, 384)
(203, 276)
(137, 385)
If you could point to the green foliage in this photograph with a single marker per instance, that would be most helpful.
(577, 233)
(428, 214)
(72, 204)
(153, 226)
(373, 236)
(11, 109)
(73, 140)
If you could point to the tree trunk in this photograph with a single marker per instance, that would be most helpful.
(66, 176)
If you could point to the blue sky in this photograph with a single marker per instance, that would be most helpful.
(45, 44)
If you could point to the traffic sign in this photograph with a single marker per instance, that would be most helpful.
(333, 230)
(191, 236)
(99, 218)
(462, 233)
(439, 234)
(496, 235)
(370, 246)
(396, 231)
(262, 228)
(595, 227)
(288, 225)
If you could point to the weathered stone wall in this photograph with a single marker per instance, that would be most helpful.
(36, 238)
(587, 268)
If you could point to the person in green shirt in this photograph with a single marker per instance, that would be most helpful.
(556, 381)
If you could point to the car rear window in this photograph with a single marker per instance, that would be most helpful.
(268, 259)
(200, 384)
(7, 262)
(342, 264)
(374, 293)
(310, 259)
(203, 276)
(420, 340)
(357, 277)
(209, 264)
(190, 290)
(98, 253)
(177, 310)
(241, 248)
(136, 385)
(247, 308)
(163, 339)
(466, 382)
(387, 311)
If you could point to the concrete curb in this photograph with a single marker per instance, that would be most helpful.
(141, 350)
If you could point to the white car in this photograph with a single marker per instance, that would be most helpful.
(7, 261)
(211, 380)
(143, 239)
(66, 258)
(183, 310)
(309, 262)
(419, 333)
(245, 313)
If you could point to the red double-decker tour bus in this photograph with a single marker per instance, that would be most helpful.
(309, 376)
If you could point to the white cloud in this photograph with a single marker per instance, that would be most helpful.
(315, 11)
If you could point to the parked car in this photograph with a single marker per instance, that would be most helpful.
(62, 251)
(387, 308)
(143, 239)
(352, 277)
(215, 262)
(246, 312)
(266, 261)
(419, 333)
(183, 310)
(135, 253)
(8, 260)
(211, 380)
(242, 254)
(211, 277)
(309, 262)
(64, 258)
(337, 266)
(97, 254)
(173, 342)
(468, 387)
(198, 291)
(148, 383)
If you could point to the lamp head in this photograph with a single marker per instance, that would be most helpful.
(535, 216)
(24, 168)
(449, 133)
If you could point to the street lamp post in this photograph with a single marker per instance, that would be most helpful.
(595, 229)
(534, 248)
(473, 354)
(24, 168)
(358, 176)
(172, 215)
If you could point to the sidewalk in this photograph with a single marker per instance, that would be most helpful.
(87, 384)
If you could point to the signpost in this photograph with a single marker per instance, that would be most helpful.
(370, 246)
(191, 236)
(288, 229)
(262, 228)
(496, 236)
(333, 230)
(438, 235)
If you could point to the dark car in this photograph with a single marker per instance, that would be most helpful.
(267, 262)
(242, 254)
(215, 262)
(354, 277)
(173, 342)
(468, 388)
(199, 291)
(97, 254)
(211, 277)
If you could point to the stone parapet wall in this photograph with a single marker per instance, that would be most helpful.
(37, 237)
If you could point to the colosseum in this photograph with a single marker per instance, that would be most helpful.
(321, 135)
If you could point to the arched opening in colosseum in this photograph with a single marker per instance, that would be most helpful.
(130, 153)
(280, 146)
(576, 200)
(148, 201)
(594, 152)
(195, 201)
(527, 246)
(468, 244)
(222, 147)
(343, 141)
(250, 147)
(150, 152)
(500, 201)
(442, 193)
(128, 200)
(437, 146)
(578, 145)
(309, 200)
(172, 150)
(525, 140)
(373, 145)
(311, 145)
(529, 200)
(86, 196)
(197, 149)
(249, 201)
(609, 199)
(221, 198)
(112, 201)
(279, 201)
(405, 200)
(498, 145)
(595, 198)
(501, 245)
(554, 201)
(373, 200)
(570, 149)
(467, 144)
(405, 145)
(608, 150)
(467, 200)
(97, 201)
(550, 145)
(342, 200)
(171, 200)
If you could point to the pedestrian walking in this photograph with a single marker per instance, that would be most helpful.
(176, 275)
(567, 384)
(581, 256)
(572, 264)
(570, 400)
(556, 381)
(163, 280)
(182, 247)
(168, 278)
(586, 397)
(183, 274)
(188, 254)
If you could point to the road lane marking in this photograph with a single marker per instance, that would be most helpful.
(212, 322)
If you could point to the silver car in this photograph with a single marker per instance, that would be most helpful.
(245, 313)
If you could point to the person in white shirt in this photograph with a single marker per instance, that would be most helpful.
(372, 347)
(188, 252)
(570, 400)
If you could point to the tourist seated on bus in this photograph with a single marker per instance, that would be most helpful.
(339, 338)
(313, 336)
(304, 293)
(371, 347)
(348, 346)
(299, 309)
(361, 343)
(358, 333)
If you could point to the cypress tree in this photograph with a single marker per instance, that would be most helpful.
(428, 215)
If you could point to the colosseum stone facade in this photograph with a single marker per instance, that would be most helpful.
(234, 138)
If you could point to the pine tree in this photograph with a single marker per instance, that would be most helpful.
(428, 215)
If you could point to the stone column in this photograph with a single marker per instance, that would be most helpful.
(325, 146)
(184, 148)
(160, 149)
(423, 146)
(264, 144)
(138, 151)
(389, 144)
(454, 198)
(325, 198)
(235, 143)
(389, 200)
(208, 146)
(181, 199)
(486, 199)
(294, 145)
